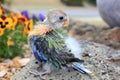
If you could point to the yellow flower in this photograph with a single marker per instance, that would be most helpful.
(24, 31)
(28, 27)
(5, 22)
(18, 14)
(14, 21)
(1, 11)
(10, 43)
(1, 32)
(17, 17)
(8, 22)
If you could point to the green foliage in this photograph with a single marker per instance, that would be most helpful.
(2, 1)
(78, 2)
(73, 2)
(7, 2)
(92, 1)
(18, 41)
(14, 28)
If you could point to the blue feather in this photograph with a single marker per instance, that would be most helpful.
(81, 68)
(38, 55)
(44, 59)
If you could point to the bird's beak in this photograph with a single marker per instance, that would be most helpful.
(66, 24)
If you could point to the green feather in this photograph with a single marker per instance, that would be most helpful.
(54, 40)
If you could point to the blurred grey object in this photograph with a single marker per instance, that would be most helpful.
(110, 11)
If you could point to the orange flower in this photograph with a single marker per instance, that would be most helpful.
(14, 21)
(28, 24)
(21, 18)
(1, 32)
(17, 17)
(10, 43)
(18, 14)
(1, 11)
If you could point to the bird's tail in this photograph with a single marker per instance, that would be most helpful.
(80, 68)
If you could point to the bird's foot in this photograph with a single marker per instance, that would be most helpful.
(40, 74)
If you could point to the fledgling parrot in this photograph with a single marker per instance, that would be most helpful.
(49, 47)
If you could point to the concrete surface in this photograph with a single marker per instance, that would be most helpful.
(98, 63)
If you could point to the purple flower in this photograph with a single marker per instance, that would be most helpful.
(34, 17)
(41, 17)
(25, 13)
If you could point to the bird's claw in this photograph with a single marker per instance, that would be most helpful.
(40, 74)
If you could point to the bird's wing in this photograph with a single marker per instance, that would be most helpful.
(35, 43)
(51, 47)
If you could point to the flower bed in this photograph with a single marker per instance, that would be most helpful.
(14, 28)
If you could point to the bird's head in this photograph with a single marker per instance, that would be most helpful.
(58, 19)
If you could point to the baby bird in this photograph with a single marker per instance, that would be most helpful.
(48, 45)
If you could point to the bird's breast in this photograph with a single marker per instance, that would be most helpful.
(40, 30)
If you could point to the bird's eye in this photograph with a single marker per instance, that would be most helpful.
(61, 17)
